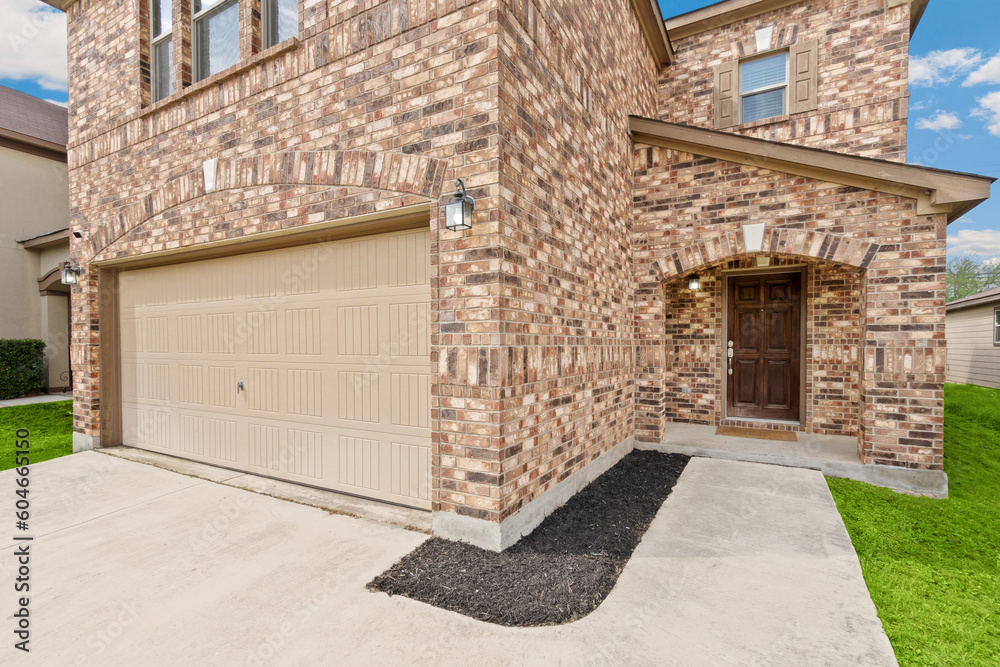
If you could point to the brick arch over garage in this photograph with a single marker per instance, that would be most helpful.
(858, 253)
(401, 173)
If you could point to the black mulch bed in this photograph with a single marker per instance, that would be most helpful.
(560, 572)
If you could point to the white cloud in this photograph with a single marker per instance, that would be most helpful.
(988, 72)
(978, 243)
(989, 109)
(964, 220)
(941, 120)
(33, 43)
(939, 67)
(57, 102)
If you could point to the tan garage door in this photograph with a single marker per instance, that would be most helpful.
(310, 364)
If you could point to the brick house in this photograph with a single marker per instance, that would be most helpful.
(270, 284)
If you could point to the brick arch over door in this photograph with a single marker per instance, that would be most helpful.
(392, 172)
(858, 253)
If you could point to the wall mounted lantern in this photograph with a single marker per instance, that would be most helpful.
(458, 212)
(694, 283)
(71, 273)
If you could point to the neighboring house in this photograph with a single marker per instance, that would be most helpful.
(34, 227)
(973, 330)
(269, 283)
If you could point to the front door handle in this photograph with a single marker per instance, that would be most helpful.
(239, 386)
(729, 353)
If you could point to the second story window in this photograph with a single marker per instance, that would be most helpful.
(770, 85)
(216, 33)
(279, 21)
(191, 41)
(763, 85)
(161, 48)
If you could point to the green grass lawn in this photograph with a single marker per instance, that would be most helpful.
(933, 566)
(50, 425)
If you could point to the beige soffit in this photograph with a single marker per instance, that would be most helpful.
(936, 190)
(654, 31)
(731, 11)
(61, 5)
(987, 298)
(49, 240)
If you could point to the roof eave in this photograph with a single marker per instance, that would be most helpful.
(654, 31)
(963, 305)
(61, 5)
(936, 191)
(48, 240)
(731, 11)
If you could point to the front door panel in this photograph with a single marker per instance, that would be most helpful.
(765, 338)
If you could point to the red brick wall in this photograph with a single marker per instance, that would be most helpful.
(391, 79)
(875, 262)
(862, 79)
(566, 91)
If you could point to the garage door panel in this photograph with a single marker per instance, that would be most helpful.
(331, 343)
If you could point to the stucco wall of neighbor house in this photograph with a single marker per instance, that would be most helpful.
(377, 107)
(571, 73)
(33, 191)
(862, 75)
(689, 215)
(973, 358)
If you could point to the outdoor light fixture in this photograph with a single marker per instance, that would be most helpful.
(71, 273)
(458, 212)
(694, 283)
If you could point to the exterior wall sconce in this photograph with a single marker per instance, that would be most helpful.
(458, 212)
(71, 273)
(694, 283)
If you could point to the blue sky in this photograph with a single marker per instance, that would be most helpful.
(954, 90)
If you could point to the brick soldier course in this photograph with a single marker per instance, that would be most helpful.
(562, 329)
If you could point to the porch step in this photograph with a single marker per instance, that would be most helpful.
(834, 456)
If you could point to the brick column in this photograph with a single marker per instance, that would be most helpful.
(902, 420)
(650, 420)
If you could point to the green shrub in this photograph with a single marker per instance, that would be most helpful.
(22, 366)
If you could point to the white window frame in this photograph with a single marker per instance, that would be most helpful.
(764, 89)
(195, 50)
(153, 43)
(996, 326)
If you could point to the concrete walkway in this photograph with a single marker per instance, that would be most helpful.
(44, 398)
(745, 564)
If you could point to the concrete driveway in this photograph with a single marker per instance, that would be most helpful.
(746, 564)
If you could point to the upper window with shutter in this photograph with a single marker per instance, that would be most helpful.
(763, 87)
(770, 85)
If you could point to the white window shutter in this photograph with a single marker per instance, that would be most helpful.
(803, 61)
(726, 95)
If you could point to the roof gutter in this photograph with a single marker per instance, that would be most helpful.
(973, 302)
(936, 190)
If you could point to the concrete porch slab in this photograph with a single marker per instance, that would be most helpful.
(834, 456)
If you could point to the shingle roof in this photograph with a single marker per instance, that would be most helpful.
(30, 116)
(982, 298)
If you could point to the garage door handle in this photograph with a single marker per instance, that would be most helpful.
(239, 386)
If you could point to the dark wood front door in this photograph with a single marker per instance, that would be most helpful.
(764, 346)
